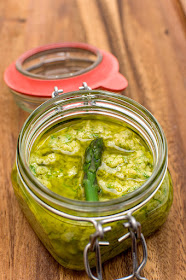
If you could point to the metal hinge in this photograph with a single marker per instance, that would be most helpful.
(134, 232)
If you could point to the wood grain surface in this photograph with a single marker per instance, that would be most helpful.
(148, 38)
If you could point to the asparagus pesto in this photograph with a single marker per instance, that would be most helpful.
(57, 160)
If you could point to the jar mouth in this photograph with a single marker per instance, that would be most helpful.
(93, 103)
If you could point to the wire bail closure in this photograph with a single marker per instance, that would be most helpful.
(56, 92)
(84, 87)
(134, 232)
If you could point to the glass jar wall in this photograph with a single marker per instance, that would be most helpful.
(64, 225)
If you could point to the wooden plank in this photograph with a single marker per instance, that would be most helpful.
(183, 6)
(148, 38)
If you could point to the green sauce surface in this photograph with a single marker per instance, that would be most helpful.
(57, 159)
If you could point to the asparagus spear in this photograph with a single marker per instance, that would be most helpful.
(92, 162)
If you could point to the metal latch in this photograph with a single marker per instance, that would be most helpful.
(56, 92)
(84, 87)
(134, 232)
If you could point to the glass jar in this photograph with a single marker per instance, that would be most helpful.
(64, 225)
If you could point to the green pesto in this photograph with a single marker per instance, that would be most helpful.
(57, 159)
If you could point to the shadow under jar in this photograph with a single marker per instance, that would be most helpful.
(65, 225)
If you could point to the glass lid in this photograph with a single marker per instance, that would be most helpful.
(65, 65)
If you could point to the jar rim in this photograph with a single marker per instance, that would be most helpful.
(62, 50)
(133, 199)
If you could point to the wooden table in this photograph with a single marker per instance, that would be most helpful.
(148, 38)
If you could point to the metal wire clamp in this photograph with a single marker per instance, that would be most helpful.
(84, 87)
(134, 232)
(56, 92)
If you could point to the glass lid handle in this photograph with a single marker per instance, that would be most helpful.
(134, 232)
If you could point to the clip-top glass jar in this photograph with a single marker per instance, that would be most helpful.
(65, 225)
